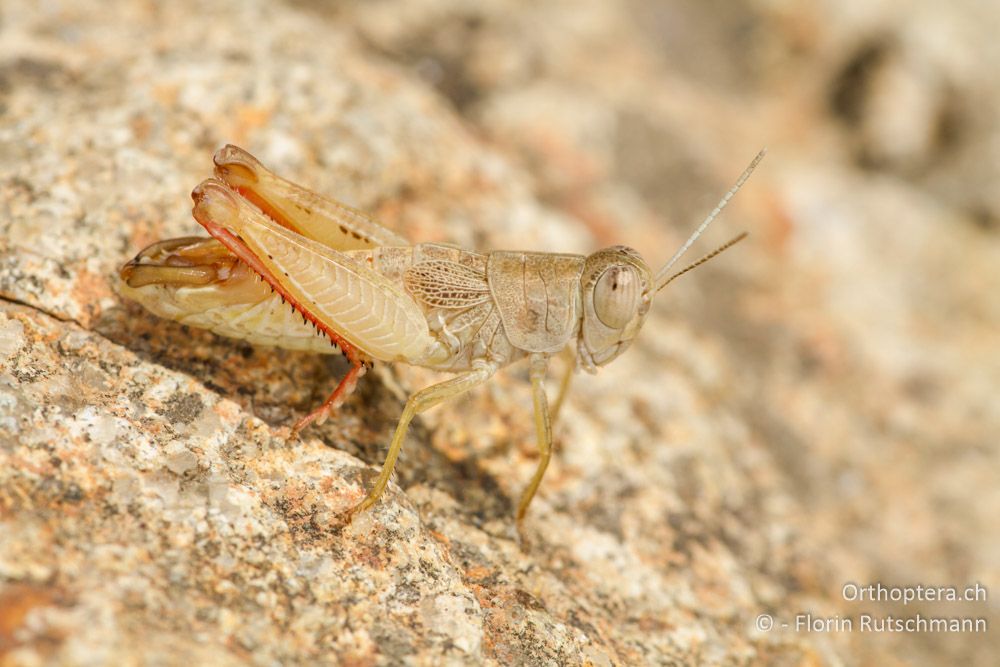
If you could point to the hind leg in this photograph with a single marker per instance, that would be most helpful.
(344, 389)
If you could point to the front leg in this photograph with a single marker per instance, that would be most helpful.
(569, 358)
(424, 399)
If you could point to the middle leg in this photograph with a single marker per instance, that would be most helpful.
(424, 399)
(569, 358)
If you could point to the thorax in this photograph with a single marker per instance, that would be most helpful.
(494, 307)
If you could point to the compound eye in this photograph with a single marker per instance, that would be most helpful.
(616, 296)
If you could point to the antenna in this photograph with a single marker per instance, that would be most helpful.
(661, 278)
(725, 246)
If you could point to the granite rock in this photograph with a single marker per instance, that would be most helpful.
(814, 408)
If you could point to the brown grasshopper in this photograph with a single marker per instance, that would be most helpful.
(358, 288)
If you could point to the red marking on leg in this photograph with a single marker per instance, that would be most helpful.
(238, 247)
(343, 390)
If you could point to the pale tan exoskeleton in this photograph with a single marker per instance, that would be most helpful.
(358, 288)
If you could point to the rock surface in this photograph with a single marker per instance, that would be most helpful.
(817, 407)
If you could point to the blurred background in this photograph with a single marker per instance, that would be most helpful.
(815, 407)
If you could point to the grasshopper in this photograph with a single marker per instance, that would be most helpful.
(355, 287)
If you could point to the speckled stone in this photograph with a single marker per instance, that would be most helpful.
(817, 406)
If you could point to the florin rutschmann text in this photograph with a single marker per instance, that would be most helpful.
(878, 594)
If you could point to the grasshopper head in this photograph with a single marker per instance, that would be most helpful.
(617, 288)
